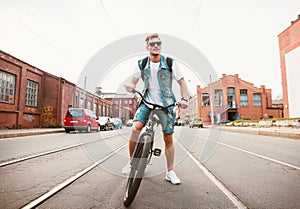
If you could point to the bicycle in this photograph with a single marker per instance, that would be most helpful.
(143, 152)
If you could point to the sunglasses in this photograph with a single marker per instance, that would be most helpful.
(152, 44)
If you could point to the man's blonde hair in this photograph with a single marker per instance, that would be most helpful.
(154, 35)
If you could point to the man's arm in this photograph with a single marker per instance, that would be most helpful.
(184, 93)
(131, 86)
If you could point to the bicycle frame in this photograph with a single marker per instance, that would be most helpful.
(150, 131)
(142, 153)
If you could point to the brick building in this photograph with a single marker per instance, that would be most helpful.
(289, 46)
(234, 99)
(94, 102)
(30, 97)
(123, 105)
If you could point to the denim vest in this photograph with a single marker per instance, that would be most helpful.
(164, 76)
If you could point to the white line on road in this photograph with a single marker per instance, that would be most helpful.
(233, 198)
(64, 184)
(37, 155)
(49, 152)
(261, 156)
(252, 153)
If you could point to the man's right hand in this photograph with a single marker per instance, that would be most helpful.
(130, 88)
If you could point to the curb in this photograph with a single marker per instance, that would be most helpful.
(11, 135)
(265, 133)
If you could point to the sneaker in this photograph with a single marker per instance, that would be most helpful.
(126, 169)
(171, 176)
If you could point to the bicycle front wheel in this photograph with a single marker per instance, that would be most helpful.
(138, 166)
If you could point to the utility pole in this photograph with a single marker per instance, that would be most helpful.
(85, 100)
(212, 117)
(120, 109)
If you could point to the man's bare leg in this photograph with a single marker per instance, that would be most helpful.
(169, 150)
(135, 132)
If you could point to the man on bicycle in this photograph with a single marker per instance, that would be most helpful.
(157, 75)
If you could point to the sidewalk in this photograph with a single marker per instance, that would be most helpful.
(293, 133)
(286, 132)
(7, 133)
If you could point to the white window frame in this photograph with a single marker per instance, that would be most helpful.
(32, 93)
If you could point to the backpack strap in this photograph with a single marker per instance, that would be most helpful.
(144, 63)
(169, 63)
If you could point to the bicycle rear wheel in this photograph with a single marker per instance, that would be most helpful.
(138, 166)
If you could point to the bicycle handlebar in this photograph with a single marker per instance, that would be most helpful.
(155, 105)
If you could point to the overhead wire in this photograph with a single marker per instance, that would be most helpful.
(108, 17)
(197, 12)
(34, 33)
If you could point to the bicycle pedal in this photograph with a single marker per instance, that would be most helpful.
(157, 152)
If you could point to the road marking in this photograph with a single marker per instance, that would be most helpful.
(261, 156)
(252, 153)
(67, 182)
(232, 197)
(37, 155)
(50, 152)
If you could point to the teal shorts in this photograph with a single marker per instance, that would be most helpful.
(167, 119)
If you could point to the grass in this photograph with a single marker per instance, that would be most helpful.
(256, 122)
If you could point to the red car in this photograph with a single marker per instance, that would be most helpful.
(80, 119)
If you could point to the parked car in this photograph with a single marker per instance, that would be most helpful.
(180, 123)
(106, 123)
(221, 122)
(129, 123)
(196, 122)
(117, 123)
(80, 119)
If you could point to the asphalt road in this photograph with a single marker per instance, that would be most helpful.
(258, 171)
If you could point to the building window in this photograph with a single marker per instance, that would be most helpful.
(130, 102)
(89, 105)
(126, 102)
(244, 97)
(76, 101)
(32, 93)
(230, 91)
(256, 100)
(95, 108)
(205, 99)
(7, 87)
(116, 102)
(100, 110)
(218, 97)
(231, 97)
(82, 102)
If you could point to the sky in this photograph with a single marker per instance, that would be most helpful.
(236, 36)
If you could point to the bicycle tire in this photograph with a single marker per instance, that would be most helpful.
(138, 166)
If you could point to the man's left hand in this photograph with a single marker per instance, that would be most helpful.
(184, 104)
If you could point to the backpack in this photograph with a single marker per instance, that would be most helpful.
(145, 60)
